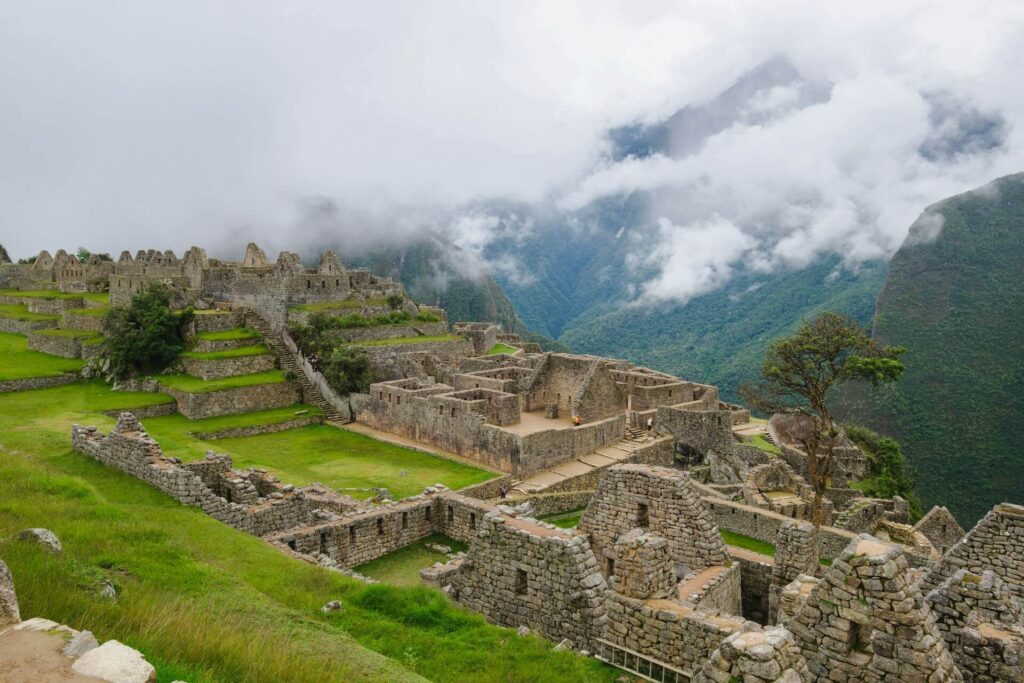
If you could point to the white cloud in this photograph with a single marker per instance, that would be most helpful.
(691, 259)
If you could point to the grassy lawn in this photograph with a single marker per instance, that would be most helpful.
(209, 604)
(411, 340)
(99, 297)
(20, 312)
(93, 312)
(748, 543)
(501, 348)
(402, 567)
(254, 350)
(194, 385)
(565, 520)
(78, 334)
(229, 335)
(758, 441)
(341, 459)
(17, 362)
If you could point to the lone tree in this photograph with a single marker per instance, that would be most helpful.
(800, 372)
(146, 335)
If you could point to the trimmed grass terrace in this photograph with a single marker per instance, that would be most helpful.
(18, 362)
(78, 334)
(338, 458)
(174, 431)
(93, 312)
(99, 297)
(759, 442)
(402, 567)
(327, 306)
(565, 520)
(194, 385)
(21, 312)
(229, 335)
(241, 351)
(501, 348)
(747, 543)
(203, 601)
(400, 341)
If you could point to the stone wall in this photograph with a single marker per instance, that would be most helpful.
(866, 620)
(234, 401)
(941, 528)
(254, 430)
(519, 572)
(995, 543)
(555, 503)
(56, 345)
(662, 500)
(228, 367)
(270, 508)
(722, 593)
(24, 327)
(755, 657)
(796, 553)
(30, 383)
(75, 321)
(698, 432)
(764, 525)
(755, 585)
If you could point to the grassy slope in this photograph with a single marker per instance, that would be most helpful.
(501, 348)
(320, 453)
(194, 385)
(98, 297)
(955, 303)
(203, 601)
(17, 362)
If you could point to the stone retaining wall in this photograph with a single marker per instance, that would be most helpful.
(72, 321)
(234, 401)
(764, 525)
(65, 347)
(30, 383)
(256, 430)
(755, 585)
(228, 367)
(555, 503)
(13, 326)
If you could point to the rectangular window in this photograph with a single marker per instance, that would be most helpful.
(380, 526)
(352, 535)
(522, 582)
(611, 567)
(405, 520)
(451, 514)
(472, 519)
(323, 542)
(426, 514)
(642, 517)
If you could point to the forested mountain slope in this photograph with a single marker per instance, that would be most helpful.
(954, 297)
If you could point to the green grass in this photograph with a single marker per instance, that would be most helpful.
(18, 362)
(194, 385)
(173, 431)
(758, 441)
(21, 312)
(402, 567)
(339, 458)
(209, 604)
(68, 333)
(748, 543)
(92, 312)
(397, 341)
(501, 348)
(565, 520)
(241, 351)
(228, 335)
(100, 297)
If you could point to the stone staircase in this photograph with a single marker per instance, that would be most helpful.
(639, 436)
(606, 456)
(290, 363)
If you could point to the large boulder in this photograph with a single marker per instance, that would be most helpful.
(43, 537)
(117, 663)
(9, 613)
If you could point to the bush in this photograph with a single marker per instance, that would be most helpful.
(348, 370)
(888, 467)
(146, 336)
(395, 301)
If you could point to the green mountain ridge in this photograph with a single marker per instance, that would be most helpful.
(955, 301)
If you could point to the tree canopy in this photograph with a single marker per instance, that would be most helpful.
(145, 336)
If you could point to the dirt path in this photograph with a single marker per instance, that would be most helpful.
(34, 657)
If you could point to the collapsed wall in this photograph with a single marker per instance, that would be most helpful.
(248, 501)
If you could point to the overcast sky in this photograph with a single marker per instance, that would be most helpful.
(162, 124)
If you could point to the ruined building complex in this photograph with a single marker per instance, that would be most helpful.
(659, 466)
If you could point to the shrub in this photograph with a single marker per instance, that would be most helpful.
(145, 336)
(348, 370)
(395, 301)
